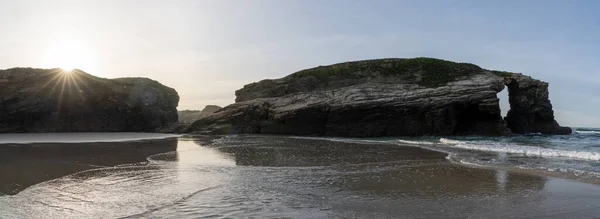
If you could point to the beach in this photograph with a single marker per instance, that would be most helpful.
(274, 177)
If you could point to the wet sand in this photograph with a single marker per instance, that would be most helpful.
(274, 177)
(23, 165)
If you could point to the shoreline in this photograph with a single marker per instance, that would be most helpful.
(80, 137)
(27, 164)
(86, 166)
(534, 172)
(294, 177)
(530, 171)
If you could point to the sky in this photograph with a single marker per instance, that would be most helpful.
(208, 49)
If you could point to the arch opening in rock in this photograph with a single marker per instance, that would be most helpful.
(504, 104)
(530, 108)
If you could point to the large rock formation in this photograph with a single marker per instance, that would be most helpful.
(530, 108)
(189, 116)
(386, 97)
(53, 100)
(186, 117)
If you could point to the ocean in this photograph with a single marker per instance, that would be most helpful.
(572, 156)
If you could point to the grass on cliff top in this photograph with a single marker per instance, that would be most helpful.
(504, 74)
(429, 72)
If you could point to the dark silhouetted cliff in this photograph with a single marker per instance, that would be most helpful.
(51, 100)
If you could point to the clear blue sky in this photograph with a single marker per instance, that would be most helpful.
(208, 49)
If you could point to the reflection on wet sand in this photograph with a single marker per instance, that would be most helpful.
(380, 169)
(23, 165)
(269, 176)
(391, 181)
(292, 152)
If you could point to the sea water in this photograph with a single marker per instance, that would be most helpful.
(576, 155)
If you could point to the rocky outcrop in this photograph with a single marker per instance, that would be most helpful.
(186, 117)
(53, 100)
(189, 116)
(386, 97)
(530, 108)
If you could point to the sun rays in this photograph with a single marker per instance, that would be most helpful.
(67, 71)
(66, 84)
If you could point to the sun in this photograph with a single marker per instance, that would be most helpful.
(67, 70)
(69, 55)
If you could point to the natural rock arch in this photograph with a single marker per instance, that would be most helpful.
(530, 107)
(387, 97)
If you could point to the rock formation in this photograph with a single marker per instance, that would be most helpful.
(530, 108)
(53, 100)
(189, 116)
(386, 97)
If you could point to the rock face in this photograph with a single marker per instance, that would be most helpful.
(385, 97)
(189, 116)
(52, 100)
(530, 108)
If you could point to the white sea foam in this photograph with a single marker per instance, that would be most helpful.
(449, 141)
(79, 137)
(346, 140)
(417, 142)
(575, 172)
(518, 149)
(488, 146)
(455, 148)
(470, 163)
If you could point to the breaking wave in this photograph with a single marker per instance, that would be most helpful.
(481, 145)
(586, 131)
(519, 149)
(416, 142)
(576, 155)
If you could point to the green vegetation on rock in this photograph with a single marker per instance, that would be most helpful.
(504, 74)
(429, 72)
(422, 71)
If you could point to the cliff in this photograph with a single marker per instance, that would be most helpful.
(386, 97)
(52, 100)
(189, 116)
(530, 108)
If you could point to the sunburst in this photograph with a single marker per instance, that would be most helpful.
(62, 84)
(68, 55)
